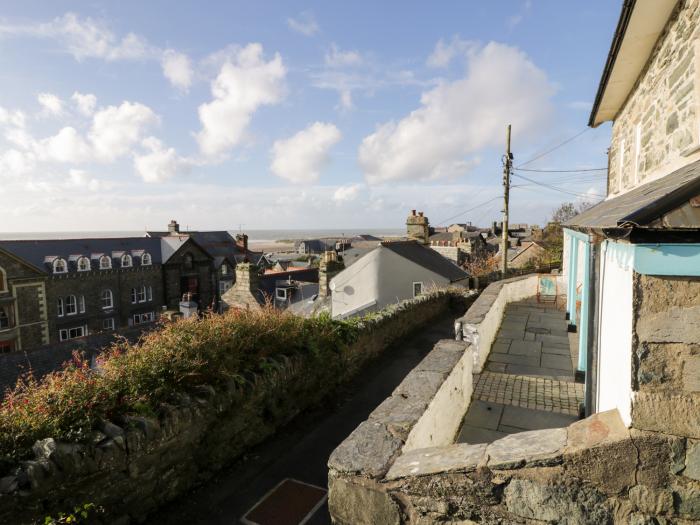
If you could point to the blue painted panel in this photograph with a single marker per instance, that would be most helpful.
(667, 259)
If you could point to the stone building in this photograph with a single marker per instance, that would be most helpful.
(418, 228)
(91, 286)
(23, 309)
(188, 270)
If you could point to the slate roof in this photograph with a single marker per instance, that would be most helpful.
(427, 258)
(643, 204)
(219, 244)
(38, 253)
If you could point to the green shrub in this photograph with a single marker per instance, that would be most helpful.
(136, 378)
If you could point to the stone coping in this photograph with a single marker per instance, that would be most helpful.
(413, 407)
(535, 448)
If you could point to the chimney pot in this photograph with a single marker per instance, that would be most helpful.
(420, 213)
(413, 212)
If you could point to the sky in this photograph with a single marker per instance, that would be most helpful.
(281, 115)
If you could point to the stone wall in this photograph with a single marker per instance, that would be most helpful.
(658, 125)
(666, 367)
(133, 465)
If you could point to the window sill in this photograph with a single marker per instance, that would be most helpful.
(694, 148)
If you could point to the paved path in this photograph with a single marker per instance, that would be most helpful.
(528, 380)
(301, 450)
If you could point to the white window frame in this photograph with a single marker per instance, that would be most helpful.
(60, 311)
(420, 283)
(149, 293)
(5, 317)
(146, 259)
(81, 304)
(224, 269)
(224, 287)
(108, 324)
(84, 261)
(147, 317)
(60, 261)
(637, 150)
(106, 259)
(126, 258)
(282, 296)
(71, 304)
(107, 297)
(622, 165)
(138, 295)
(4, 285)
(66, 334)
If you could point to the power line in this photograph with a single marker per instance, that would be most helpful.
(562, 171)
(554, 148)
(556, 188)
(467, 211)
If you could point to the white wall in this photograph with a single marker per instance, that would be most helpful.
(615, 330)
(378, 279)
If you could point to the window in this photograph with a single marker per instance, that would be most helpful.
(138, 295)
(148, 317)
(224, 269)
(83, 264)
(59, 307)
(71, 305)
(150, 293)
(59, 266)
(72, 333)
(3, 280)
(107, 299)
(281, 293)
(637, 150)
(146, 259)
(622, 165)
(5, 347)
(224, 286)
(188, 261)
(126, 261)
(108, 324)
(81, 304)
(4, 319)
(417, 289)
(105, 263)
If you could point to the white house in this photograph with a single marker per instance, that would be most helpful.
(390, 273)
(632, 262)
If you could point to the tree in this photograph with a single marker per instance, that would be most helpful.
(553, 233)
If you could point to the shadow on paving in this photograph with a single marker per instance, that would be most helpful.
(301, 450)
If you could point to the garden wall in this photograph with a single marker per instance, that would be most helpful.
(133, 465)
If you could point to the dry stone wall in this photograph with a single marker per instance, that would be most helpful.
(658, 124)
(135, 464)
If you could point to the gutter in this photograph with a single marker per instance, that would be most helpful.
(622, 23)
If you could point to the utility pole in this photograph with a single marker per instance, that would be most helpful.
(507, 163)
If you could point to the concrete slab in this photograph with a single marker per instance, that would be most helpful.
(530, 348)
(553, 339)
(537, 446)
(555, 361)
(555, 349)
(512, 333)
(515, 359)
(495, 367)
(529, 419)
(501, 347)
(459, 457)
(476, 435)
(538, 371)
(484, 415)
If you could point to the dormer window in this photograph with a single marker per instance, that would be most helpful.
(126, 261)
(105, 263)
(146, 259)
(60, 266)
(189, 261)
(83, 264)
(224, 269)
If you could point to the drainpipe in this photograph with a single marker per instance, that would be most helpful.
(592, 328)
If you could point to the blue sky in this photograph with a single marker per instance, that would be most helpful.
(294, 115)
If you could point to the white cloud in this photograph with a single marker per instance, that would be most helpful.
(580, 105)
(160, 163)
(85, 103)
(177, 68)
(66, 146)
(115, 129)
(517, 18)
(348, 193)
(300, 158)
(245, 82)
(445, 52)
(304, 24)
(12, 118)
(337, 58)
(84, 38)
(51, 104)
(456, 120)
(81, 179)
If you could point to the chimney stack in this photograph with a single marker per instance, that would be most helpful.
(173, 227)
(328, 268)
(242, 241)
(418, 228)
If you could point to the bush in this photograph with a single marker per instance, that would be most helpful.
(137, 378)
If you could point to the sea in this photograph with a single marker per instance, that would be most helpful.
(253, 235)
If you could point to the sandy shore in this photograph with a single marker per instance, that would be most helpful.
(271, 246)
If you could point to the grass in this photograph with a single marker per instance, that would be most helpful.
(137, 378)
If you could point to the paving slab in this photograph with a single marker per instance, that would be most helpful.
(529, 419)
(534, 370)
(538, 446)
(530, 348)
(515, 359)
(562, 362)
(475, 435)
(485, 415)
(555, 349)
